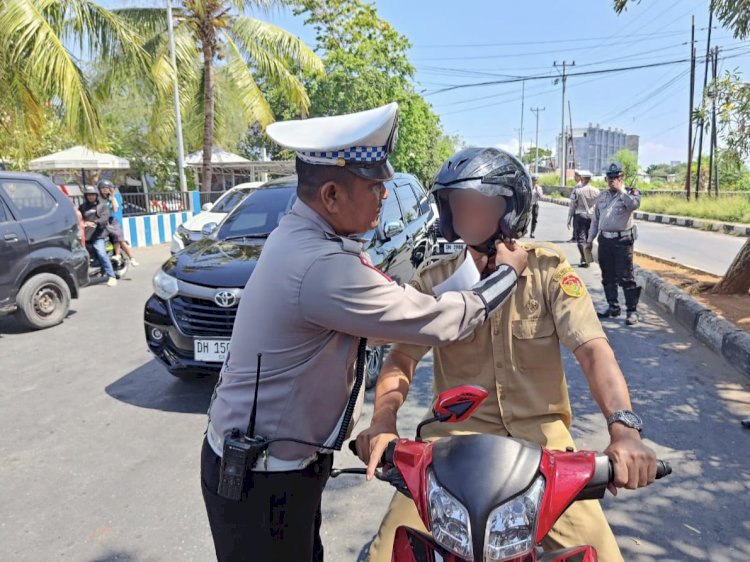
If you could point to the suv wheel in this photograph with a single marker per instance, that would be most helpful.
(373, 363)
(43, 301)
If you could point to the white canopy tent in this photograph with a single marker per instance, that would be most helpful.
(238, 169)
(79, 158)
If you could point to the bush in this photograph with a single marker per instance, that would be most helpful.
(730, 209)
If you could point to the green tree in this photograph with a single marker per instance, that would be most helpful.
(629, 163)
(41, 76)
(530, 154)
(366, 65)
(219, 52)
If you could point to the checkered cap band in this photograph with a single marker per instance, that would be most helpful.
(364, 154)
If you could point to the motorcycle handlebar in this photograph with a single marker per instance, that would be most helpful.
(604, 475)
(387, 457)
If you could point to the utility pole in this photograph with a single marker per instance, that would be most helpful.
(563, 139)
(520, 135)
(572, 137)
(713, 159)
(536, 110)
(689, 175)
(703, 102)
(177, 114)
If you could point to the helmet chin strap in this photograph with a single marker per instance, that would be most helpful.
(488, 247)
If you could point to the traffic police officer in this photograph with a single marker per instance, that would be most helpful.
(515, 356)
(312, 298)
(536, 193)
(581, 210)
(613, 225)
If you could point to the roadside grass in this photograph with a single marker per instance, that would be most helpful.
(730, 209)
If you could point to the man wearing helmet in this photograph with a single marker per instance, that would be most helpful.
(484, 194)
(95, 220)
(107, 191)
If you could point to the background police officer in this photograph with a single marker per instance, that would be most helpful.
(536, 193)
(312, 298)
(613, 225)
(581, 210)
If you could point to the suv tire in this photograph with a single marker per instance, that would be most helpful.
(43, 301)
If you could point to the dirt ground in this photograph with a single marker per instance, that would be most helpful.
(735, 308)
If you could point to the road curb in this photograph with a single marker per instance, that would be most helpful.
(686, 222)
(721, 336)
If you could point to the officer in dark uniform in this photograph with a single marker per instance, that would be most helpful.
(612, 225)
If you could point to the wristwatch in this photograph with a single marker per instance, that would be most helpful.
(627, 418)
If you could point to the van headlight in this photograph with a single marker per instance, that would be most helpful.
(165, 286)
(449, 520)
(511, 528)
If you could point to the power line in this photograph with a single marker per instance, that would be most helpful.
(584, 73)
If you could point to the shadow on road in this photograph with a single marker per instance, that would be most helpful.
(151, 386)
(699, 512)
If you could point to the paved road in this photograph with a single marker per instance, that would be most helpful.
(99, 456)
(709, 251)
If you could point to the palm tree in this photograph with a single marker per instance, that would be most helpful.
(41, 45)
(220, 53)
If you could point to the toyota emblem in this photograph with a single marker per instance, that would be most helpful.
(225, 299)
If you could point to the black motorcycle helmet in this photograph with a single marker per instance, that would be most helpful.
(90, 190)
(104, 184)
(490, 171)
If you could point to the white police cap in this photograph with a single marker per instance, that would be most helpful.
(361, 141)
(584, 173)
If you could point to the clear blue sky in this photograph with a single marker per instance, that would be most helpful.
(462, 42)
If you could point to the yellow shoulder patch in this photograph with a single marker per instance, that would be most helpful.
(572, 285)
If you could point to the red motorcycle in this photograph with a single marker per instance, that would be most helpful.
(487, 515)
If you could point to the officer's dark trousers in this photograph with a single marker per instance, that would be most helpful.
(581, 225)
(534, 216)
(277, 519)
(616, 262)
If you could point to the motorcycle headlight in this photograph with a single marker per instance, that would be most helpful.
(449, 520)
(511, 528)
(165, 286)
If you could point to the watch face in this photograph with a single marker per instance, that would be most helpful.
(632, 420)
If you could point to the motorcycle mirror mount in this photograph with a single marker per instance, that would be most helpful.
(455, 405)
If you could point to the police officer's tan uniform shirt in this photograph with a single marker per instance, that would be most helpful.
(312, 295)
(614, 212)
(583, 201)
(515, 355)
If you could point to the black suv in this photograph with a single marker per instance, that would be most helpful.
(189, 318)
(42, 261)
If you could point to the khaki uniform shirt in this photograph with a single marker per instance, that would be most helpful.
(310, 298)
(614, 212)
(515, 355)
(583, 201)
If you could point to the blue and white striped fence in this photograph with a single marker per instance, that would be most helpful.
(148, 230)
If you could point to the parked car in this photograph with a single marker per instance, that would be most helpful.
(189, 318)
(44, 264)
(442, 246)
(192, 230)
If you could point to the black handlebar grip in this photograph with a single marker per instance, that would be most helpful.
(353, 447)
(662, 469)
(388, 453)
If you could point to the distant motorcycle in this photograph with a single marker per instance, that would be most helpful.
(120, 263)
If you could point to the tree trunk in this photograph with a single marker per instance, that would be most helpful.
(736, 280)
(207, 39)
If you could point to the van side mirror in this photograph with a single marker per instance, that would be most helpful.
(207, 206)
(209, 229)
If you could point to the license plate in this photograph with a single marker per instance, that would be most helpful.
(210, 351)
(451, 248)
